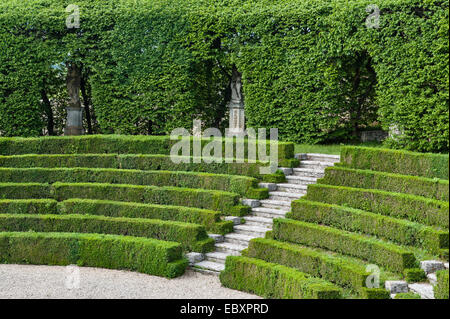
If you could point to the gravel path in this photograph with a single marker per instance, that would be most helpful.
(27, 281)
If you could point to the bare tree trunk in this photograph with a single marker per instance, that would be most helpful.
(86, 102)
(49, 112)
(74, 124)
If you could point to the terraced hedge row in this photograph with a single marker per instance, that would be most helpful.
(207, 199)
(120, 144)
(208, 218)
(237, 184)
(384, 254)
(400, 231)
(131, 161)
(274, 281)
(395, 161)
(318, 264)
(149, 256)
(414, 208)
(420, 186)
(192, 237)
(441, 290)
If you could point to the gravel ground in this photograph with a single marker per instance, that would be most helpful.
(27, 281)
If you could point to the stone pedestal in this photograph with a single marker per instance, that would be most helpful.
(74, 125)
(237, 120)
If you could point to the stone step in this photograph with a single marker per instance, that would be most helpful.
(230, 248)
(210, 265)
(269, 212)
(315, 164)
(218, 257)
(258, 221)
(239, 239)
(292, 188)
(309, 172)
(424, 290)
(276, 204)
(301, 180)
(285, 196)
(318, 157)
(251, 230)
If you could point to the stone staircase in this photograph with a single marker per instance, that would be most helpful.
(260, 219)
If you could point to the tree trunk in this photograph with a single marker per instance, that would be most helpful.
(49, 112)
(86, 102)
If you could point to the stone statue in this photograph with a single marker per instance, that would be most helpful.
(74, 122)
(236, 105)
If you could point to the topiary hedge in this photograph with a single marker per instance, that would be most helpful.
(28, 206)
(125, 144)
(393, 161)
(145, 255)
(414, 208)
(130, 161)
(420, 186)
(354, 220)
(191, 236)
(382, 253)
(274, 281)
(237, 184)
(312, 262)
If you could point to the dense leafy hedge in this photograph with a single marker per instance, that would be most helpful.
(208, 218)
(393, 161)
(414, 208)
(441, 290)
(415, 275)
(354, 220)
(384, 254)
(312, 262)
(236, 184)
(123, 144)
(191, 236)
(149, 256)
(207, 199)
(329, 72)
(407, 295)
(130, 161)
(274, 281)
(427, 187)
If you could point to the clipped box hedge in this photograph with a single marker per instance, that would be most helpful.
(207, 199)
(238, 184)
(414, 208)
(400, 231)
(395, 161)
(208, 218)
(274, 281)
(441, 289)
(315, 263)
(192, 237)
(420, 186)
(28, 206)
(25, 191)
(120, 144)
(382, 253)
(145, 255)
(131, 161)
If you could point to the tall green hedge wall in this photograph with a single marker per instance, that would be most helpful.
(312, 68)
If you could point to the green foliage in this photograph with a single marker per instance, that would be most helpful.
(415, 275)
(130, 161)
(274, 281)
(191, 236)
(407, 295)
(399, 162)
(28, 206)
(237, 184)
(317, 264)
(239, 211)
(149, 256)
(420, 186)
(354, 220)
(278, 177)
(375, 293)
(155, 65)
(441, 290)
(385, 254)
(414, 208)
